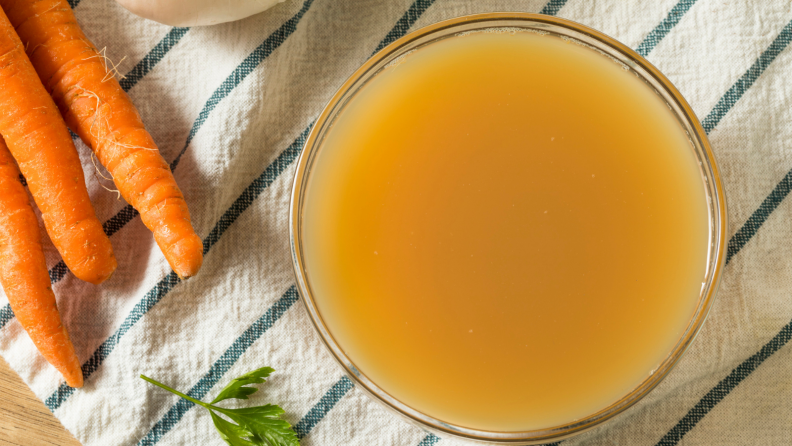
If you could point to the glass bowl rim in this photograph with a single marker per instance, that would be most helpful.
(598, 41)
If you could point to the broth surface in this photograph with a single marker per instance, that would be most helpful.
(506, 231)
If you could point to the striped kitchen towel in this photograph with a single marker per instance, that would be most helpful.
(231, 105)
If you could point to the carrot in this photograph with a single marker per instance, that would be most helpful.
(39, 141)
(94, 105)
(24, 275)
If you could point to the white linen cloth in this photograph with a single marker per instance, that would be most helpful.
(238, 98)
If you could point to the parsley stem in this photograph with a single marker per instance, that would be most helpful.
(174, 391)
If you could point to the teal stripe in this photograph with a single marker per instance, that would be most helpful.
(249, 195)
(759, 216)
(719, 392)
(323, 407)
(221, 366)
(156, 294)
(405, 22)
(229, 358)
(431, 439)
(6, 314)
(551, 8)
(152, 297)
(150, 60)
(241, 72)
(656, 35)
(747, 80)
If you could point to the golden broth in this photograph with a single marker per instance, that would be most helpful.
(506, 231)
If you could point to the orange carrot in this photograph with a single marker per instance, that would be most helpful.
(94, 105)
(39, 141)
(24, 275)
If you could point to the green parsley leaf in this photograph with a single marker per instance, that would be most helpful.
(234, 389)
(230, 432)
(265, 424)
(255, 426)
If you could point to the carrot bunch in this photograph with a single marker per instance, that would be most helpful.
(63, 67)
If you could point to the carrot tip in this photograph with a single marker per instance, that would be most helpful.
(184, 276)
(73, 375)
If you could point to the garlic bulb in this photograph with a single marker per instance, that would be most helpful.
(196, 12)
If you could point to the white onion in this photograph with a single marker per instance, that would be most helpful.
(196, 12)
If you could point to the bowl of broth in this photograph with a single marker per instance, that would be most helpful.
(507, 227)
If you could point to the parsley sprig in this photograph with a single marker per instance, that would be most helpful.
(255, 426)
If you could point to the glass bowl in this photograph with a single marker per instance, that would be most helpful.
(564, 29)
